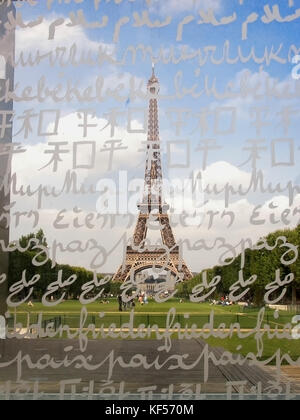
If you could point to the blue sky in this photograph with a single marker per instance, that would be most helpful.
(261, 36)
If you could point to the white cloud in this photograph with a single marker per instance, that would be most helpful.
(174, 7)
(104, 236)
(197, 260)
(115, 78)
(188, 192)
(221, 173)
(254, 89)
(27, 164)
(240, 229)
(36, 38)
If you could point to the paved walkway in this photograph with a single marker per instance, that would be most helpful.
(163, 380)
(292, 374)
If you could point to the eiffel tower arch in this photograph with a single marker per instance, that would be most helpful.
(153, 208)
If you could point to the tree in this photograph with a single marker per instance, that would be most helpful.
(40, 236)
(260, 261)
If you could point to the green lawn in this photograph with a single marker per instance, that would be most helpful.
(112, 306)
(153, 313)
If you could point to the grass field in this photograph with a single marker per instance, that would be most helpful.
(68, 313)
(153, 312)
(184, 307)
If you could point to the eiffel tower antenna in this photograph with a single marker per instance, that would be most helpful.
(152, 205)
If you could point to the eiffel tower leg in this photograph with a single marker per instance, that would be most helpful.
(180, 268)
(187, 275)
(121, 274)
(126, 268)
(140, 232)
(166, 231)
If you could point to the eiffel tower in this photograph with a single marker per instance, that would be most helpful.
(140, 256)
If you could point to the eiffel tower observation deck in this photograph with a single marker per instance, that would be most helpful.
(140, 256)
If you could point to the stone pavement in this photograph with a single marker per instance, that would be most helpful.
(135, 377)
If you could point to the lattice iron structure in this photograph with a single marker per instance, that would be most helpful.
(140, 255)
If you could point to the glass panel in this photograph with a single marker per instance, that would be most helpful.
(2, 67)
(149, 191)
